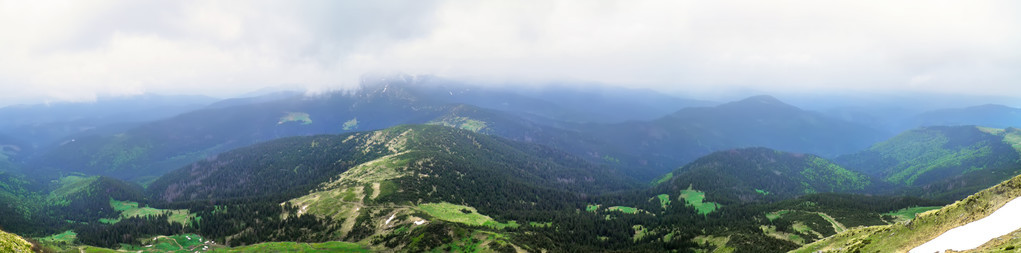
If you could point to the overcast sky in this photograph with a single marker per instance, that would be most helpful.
(76, 50)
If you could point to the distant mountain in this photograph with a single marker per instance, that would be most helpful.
(414, 174)
(766, 121)
(10, 151)
(590, 104)
(405, 156)
(426, 187)
(761, 121)
(757, 174)
(902, 237)
(128, 108)
(608, 104)
(944, 162)
(991, 115)
(417, 163)
(903, 117)
(261, 98)
(149, 150)
(44, 124)
(144, 152)
(643, 150)
(575, 103)
(890, 119)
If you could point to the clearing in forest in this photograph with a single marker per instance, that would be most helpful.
(130, 209)
(909, 213)
(695, 199)
(302, 117)
(462, 214)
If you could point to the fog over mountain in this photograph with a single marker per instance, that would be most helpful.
(506, 126)
(719, 50)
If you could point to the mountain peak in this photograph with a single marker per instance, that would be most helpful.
(993, 107)
(761, 99)
(760, 102)
(739, 173)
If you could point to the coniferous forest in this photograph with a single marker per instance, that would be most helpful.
(509, 126)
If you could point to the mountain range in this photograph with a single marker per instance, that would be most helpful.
(640, 149)
(415, 164)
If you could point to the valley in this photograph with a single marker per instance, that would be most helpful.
(393, 168)
(542, 126)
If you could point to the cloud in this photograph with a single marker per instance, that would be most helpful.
(71, 50)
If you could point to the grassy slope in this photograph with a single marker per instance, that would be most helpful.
(301, 117)
(130, 209)
(1005, 243)
(696, 199)
(298, 247)
(69, 185)
(193, 243)
(927, 155)
(624, 209)
(13, 243)
(718, 243)
(910, 213)
(65, 238)
(1012, 136)
(461, 122)
(453, 213)
(664, 200)
(902, 237)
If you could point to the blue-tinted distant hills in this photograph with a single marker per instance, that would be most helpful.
(44, 124)
(989, 115)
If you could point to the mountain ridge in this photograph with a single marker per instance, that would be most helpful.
(905, 236)
(944, 162)
(758, 174)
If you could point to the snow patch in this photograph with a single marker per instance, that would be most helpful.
(392, 216)
(974, 234)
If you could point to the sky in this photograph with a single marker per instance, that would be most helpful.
(78, 50)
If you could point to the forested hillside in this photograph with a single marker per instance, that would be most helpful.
(904, 236)
(427, 176)
(18, 203)
(549, 126)
(751, 175)
(292, 166)
(433, 187)
(989, 115)
(761, 174)
(661, 145)
(942, 162)
(41, 126)
(642, 150)
(149, 150)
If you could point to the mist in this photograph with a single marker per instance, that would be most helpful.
(73, 51)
